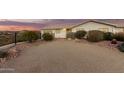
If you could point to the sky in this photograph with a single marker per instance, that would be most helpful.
(27, 20)
(22, 27)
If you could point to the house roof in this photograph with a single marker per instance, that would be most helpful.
(59, 26)
(111, 22)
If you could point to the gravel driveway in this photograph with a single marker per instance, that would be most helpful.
(67, 56)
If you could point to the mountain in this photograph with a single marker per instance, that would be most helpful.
(38, 24)
(8, 25)
(62, 21)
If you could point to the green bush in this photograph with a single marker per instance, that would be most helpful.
(121, 47)
(80, 34)
(47, 37)
(70, 35)
(29, 36)
(95, 36)
(108, 36)
(3, 54)
(119, 36)
(20, 37)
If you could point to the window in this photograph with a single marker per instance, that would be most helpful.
(104, 29)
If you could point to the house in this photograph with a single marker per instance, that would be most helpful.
(106, 25)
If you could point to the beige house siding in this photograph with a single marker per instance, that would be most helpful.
(61, 33)
(119, 30)
(58, 33)
(94, 26)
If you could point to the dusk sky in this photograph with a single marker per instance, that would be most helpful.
(8, 24)
(27, 20)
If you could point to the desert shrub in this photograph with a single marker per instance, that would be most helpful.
(3, 54)
(70, 35)
(119, 36)
(47, 37)
(6, 38)
(20, 37)
(95, 36)
(108, 36)
(121, 47)
(29, 36)
(80, 34)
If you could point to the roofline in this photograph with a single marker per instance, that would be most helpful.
(101, 22)
(105, 23)
(52, 29)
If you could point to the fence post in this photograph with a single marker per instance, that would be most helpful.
(15, 37)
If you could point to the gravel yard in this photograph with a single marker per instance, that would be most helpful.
(66, 56)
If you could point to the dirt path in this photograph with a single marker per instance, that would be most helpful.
(67, 56)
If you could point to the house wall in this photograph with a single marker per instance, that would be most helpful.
(119, 30)
(61, 33)
(96, 26)
(58, 33)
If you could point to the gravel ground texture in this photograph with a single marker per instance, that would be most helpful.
(64, 56)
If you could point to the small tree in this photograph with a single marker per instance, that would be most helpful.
(29, 36)
(108, 36)
(119, 36)
(80, 34)
(95, 35)
(47, 37)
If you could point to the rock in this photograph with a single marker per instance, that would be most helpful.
(2, 60)
(13, 53)
(114, 41)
